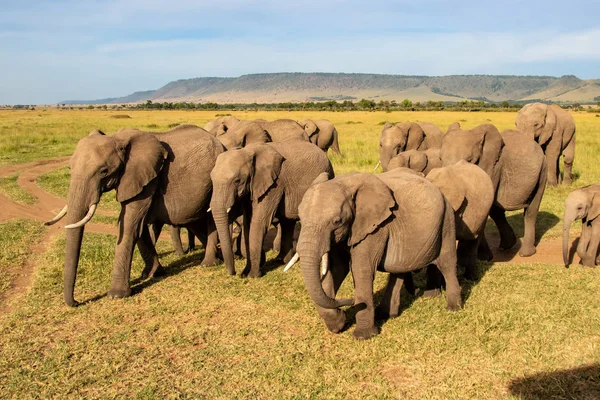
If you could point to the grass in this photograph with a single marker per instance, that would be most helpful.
(11, 189)
(525, 331)
(16, 238)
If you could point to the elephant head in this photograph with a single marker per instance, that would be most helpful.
(453, 127)
(243, 134)
(344, 210)
(311, 129)
(481, 145)
(395, 139)
(584, 204)
(221, 125)
(239, 175)
(538, 121)
(127, 162)
(412, 159)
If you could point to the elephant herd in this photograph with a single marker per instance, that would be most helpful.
(436, 190)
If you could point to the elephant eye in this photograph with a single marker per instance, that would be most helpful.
(336, 221)
(103, 171)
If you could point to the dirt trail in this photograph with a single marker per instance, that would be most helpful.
(549, 251)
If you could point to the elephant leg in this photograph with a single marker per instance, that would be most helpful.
(155, 231)
(584, 240)
(507, 235)
(259, 224)
(364, 265)
(435, 281)
(207, 233)
(339, 266)
(148, 252)
(484, 253)
(131, 222)
(568, 157)
(446, 263)
(277, 240)
(592, 250)
(286, 227)
(552, 152)
(467, 257)
(389, 307)
(176, 239)
(530, 215)
(191, 241)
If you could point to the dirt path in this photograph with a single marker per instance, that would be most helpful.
(549, 251)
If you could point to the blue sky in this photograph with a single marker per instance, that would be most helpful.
(58, 50)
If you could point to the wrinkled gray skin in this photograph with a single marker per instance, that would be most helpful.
(470, 192)
(322, 133)
(517, 167)
(583, 204)
(261, 131)
(418, 161)
(394, 222)
(266, 180)
(147, 170)
(554, 129)
(395, 139)
(221, 125)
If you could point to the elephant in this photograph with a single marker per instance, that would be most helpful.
(175, 233)
(584, 204)
(151, 174)
(261, 131)
(470, 192)
(221, 125)
(268, 180)
(322, 133)
(453, 127)
(395, 222)
(418, 161)
(395, 139)
(517, 167)
(554, 129)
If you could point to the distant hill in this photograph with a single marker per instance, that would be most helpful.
(301, 87)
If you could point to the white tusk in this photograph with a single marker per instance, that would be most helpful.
(209, 208)
(229, 209)
(324, 264)
(85, 219)
(377, 166)
(58, 217)
(292, 262)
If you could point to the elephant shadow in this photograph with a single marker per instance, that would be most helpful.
(575, 383)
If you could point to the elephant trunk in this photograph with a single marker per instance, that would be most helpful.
(78, 208)
(568, 220)
(335, 145)
(310, 260)
(222, 223)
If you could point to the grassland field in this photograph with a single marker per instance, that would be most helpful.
(527, 331)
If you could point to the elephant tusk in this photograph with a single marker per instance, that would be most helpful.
(377, 166)
(209, 209)
(229, 209)
(292, 262)
(58, 217)
(324, 264)
(85, 219)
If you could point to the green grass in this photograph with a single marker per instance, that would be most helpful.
(11, 189)
(16, 238)
(198, 333)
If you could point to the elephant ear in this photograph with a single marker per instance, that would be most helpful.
(455, 126)
(309, 127)
(254, 134)
(373, 204)
(387, 125)
(594, 210)
(222, 129)
(417, 161)
(143, 156)
(549, 126)
(267, 167)
(416, 136)
(487, 148)
(323, 177)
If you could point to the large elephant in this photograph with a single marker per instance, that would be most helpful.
(554, 129)
(416, 160)
(322, 133)
(268, 180)
(584, 204)
(261, 131)
(470, 192)
(219, 126)
(151, 174)
(517, 167)
(403, 136)
(395, 222)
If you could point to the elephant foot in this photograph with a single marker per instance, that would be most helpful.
(527, 251)
(190, 249)
(432, 292)
(149, 273)
(119, 293)
(209, 261)
(179, 252)
(484, 253)
(336, 324)
(382, 313)
(507, 243)
(588, 262)
(366, 333)
(251, 273)
(453, 307)
(471, 273)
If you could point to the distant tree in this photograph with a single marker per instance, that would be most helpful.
(505, 104)
(90, 107)
(406, 103)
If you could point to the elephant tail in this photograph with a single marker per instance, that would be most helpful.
(335, 145)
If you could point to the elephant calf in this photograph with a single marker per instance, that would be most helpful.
(583, 204)
(395, 222)
(404, 136)
(419, 161)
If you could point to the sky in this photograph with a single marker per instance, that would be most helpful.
(54, 50)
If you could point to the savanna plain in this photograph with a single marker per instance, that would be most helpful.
(527, 330)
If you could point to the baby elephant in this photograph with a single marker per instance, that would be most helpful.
(583, 204)
(417, 160)
(470, 192)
